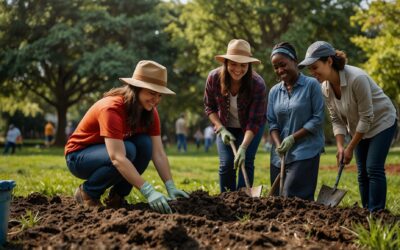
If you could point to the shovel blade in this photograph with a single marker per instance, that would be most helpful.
(253, 191)
(330, 196)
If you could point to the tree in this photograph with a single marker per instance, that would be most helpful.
(381, 43)
(65, 51)
(207, 26)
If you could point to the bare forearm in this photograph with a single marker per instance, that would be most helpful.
(215, 120)
(129, 172)
(248, 137)
(162, 166)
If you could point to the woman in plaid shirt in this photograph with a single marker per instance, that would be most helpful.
(235, 101)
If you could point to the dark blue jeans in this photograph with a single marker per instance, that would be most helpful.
(300, 178)
(93, 164)
(371, 155)
(227, 174)
(181, 142)
(9, 145)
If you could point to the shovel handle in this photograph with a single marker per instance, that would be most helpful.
(341, 166)
(246, 178)
(282, 174)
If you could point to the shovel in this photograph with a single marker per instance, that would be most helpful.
(332, 196)
(278, 180)
(250, 191)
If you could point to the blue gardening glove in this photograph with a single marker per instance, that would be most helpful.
(286, 144)
(240, 157)
(157, 200)
(226, 136)
(173, 192)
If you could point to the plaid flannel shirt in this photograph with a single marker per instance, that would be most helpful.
(251, 111)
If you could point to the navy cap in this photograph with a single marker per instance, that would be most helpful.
(316, 51)
(6, 185)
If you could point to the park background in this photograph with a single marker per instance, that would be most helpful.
(58, 57)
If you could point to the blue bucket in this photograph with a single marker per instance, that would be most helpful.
(6, 187)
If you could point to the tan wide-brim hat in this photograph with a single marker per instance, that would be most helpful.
(149, 75)
(238, 51)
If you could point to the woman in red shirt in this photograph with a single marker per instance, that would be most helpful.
(116, 139)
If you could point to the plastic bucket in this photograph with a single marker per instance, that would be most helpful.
(6, 187)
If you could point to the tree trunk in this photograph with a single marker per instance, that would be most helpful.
(61, 138)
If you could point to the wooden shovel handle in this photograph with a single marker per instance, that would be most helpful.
(275, 185)
(282, 179)
(242, 167)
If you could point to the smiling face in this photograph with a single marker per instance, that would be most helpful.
(321, 70)
(149, 99)
(237, 70)
(285, 68)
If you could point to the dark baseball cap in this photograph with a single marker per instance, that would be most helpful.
(316, 51)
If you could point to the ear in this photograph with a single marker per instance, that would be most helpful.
(330, 61)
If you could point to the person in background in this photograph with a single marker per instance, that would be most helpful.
(69, 129)
(208, 137)
(116, 139)
(359, 107)
(198, 136)
(181, 133)
(48, 134)
(295, 117)
(12, 137)
(235, 101)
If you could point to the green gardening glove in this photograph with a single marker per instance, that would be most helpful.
(173, 192)
(286, 144)
(226, 136)
(157, 200)
(240, 157)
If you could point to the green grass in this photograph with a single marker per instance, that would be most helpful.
(44, 170)
(378, 235)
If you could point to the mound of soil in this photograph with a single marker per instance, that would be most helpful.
(227, 221)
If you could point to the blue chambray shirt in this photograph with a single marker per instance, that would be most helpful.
(303, 109)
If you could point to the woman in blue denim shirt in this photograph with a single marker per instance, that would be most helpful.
(295, 116)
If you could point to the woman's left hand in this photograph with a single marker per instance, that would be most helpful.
(173, 192)
(348, 155)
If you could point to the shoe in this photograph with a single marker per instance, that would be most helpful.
(84, 199)
(114, 200)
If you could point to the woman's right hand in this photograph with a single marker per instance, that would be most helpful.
(157, 200)
(226, 136)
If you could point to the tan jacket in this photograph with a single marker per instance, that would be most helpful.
(363, 106)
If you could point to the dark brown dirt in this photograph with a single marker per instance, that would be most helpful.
(228, 221)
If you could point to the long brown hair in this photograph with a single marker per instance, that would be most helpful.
(135, 114)
(226, 81)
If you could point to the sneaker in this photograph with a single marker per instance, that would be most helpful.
(114, 200)
(84, 199)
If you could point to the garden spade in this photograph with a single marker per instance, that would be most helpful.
(250, 191)
(332, 196)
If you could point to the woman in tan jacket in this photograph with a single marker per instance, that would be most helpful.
(359, 107)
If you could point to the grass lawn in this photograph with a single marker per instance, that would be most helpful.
(44, 170)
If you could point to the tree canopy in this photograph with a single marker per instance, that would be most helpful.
(63, 51)
(381, 43)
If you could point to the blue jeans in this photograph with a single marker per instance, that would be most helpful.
(227, 174)
(300, 178)
(93, 164)
(207, 143)
(181, 141)
(9, 145)
(371, 155)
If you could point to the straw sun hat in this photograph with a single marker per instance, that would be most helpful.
(238, 51)
(149, 75)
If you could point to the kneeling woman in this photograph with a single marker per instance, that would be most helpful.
(295, 117)
(116, 139)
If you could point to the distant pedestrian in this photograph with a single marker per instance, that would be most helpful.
(13, 135)
(181, 133)
(69, 129)
(208, 137)
(48, 134)
(198, 136)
